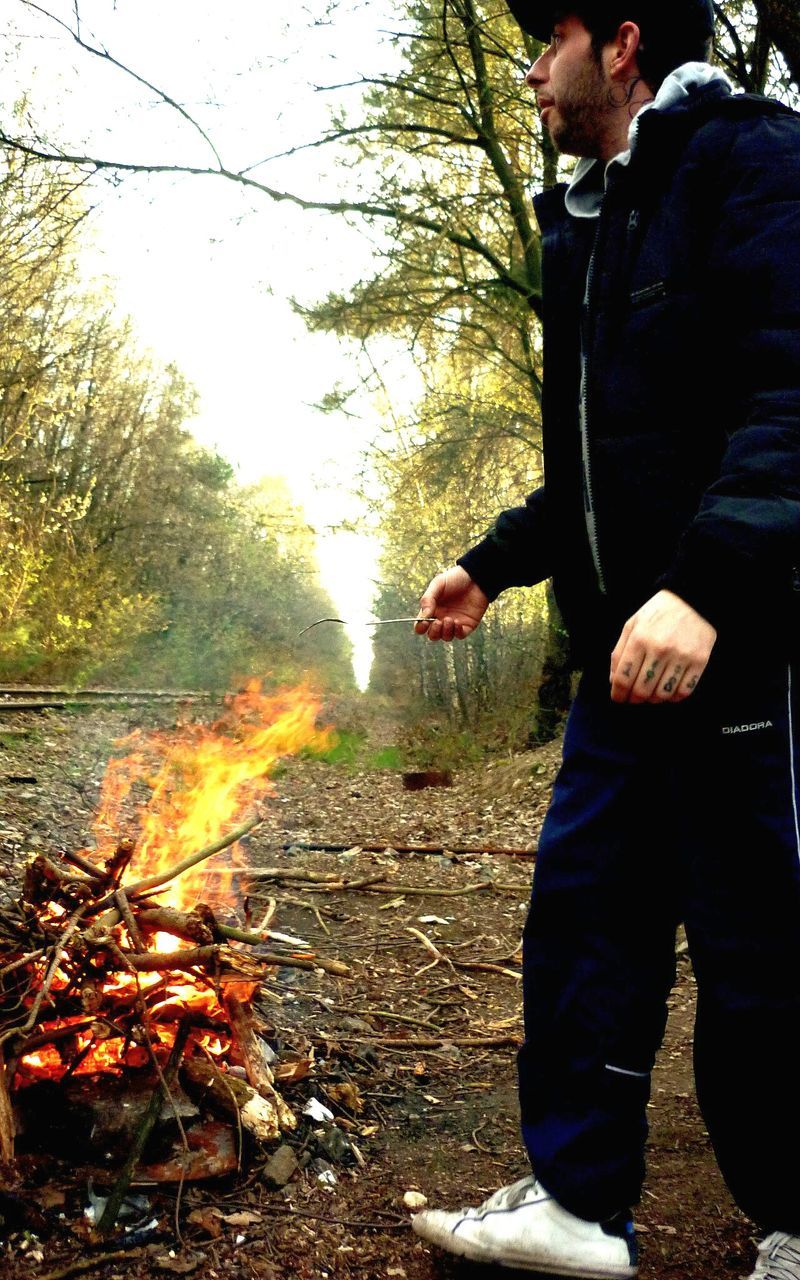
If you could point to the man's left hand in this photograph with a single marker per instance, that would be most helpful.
(662, 652)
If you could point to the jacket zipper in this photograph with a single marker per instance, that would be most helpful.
(588, 497)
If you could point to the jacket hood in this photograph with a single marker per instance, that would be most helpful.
(589, 178)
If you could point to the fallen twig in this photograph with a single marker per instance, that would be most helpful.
(438, 958)
(463, 1042)
(89, 1264)
(425, 891)
(482, 966)
(305, 962)
(278, 873)
(425, 849)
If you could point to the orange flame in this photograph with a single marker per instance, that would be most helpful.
(201, 781)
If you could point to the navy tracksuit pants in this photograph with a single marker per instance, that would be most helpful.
(661, 814)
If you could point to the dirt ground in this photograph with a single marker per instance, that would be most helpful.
(439, 1120)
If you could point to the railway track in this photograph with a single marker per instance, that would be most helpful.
(57, 698)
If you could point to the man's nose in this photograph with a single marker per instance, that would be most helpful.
(537, 73)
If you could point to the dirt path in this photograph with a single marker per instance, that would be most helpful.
(439, 1120)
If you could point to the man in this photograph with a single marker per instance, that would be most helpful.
(670, 522)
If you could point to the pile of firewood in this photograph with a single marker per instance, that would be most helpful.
(96, 977)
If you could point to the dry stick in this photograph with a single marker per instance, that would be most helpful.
(390, 1016)
(89, 1264)
(411, 890)
(16, 926)
(336, 967)
(275, 1210)
(269, 912)
(120, 1190)
(183, 924)
(429, 946)
(466, 1042)
(7, 1126)
(362, 882)
(430, 849)
(423, 891)
(326, 882)
(155, 962)
(307, 906)
(387, 846)
(22, 961)
(53, 1035)
(483, 966)
(155, 881)
(277, 873)
(137, 942)
(85, 864)
(118, 862)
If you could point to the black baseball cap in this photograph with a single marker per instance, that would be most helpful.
(658, 18)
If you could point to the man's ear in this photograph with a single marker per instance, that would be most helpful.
(623, 50)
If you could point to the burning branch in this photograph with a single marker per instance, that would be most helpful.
(156, 881)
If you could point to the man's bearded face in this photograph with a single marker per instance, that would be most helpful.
(572, 90)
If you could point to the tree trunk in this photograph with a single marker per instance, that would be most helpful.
(782, 20)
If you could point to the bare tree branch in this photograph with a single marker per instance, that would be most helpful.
(106, 56)
(388, 127)
(468, 239)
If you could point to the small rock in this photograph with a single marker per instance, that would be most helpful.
(415, 1200)
(334, 1143)
(281, 1167)
(355, 1024)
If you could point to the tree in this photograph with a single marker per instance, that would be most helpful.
(125, 548)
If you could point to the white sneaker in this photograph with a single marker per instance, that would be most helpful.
(523, 1226)
(778, 1258)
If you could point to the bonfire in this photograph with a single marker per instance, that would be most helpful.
(127, 962)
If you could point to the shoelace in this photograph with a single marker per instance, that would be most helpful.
(778, 1258)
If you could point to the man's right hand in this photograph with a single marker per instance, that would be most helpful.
(452, 606)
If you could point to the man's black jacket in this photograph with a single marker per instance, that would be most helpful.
(692, 340)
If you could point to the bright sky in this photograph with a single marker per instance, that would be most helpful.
(205, 268)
